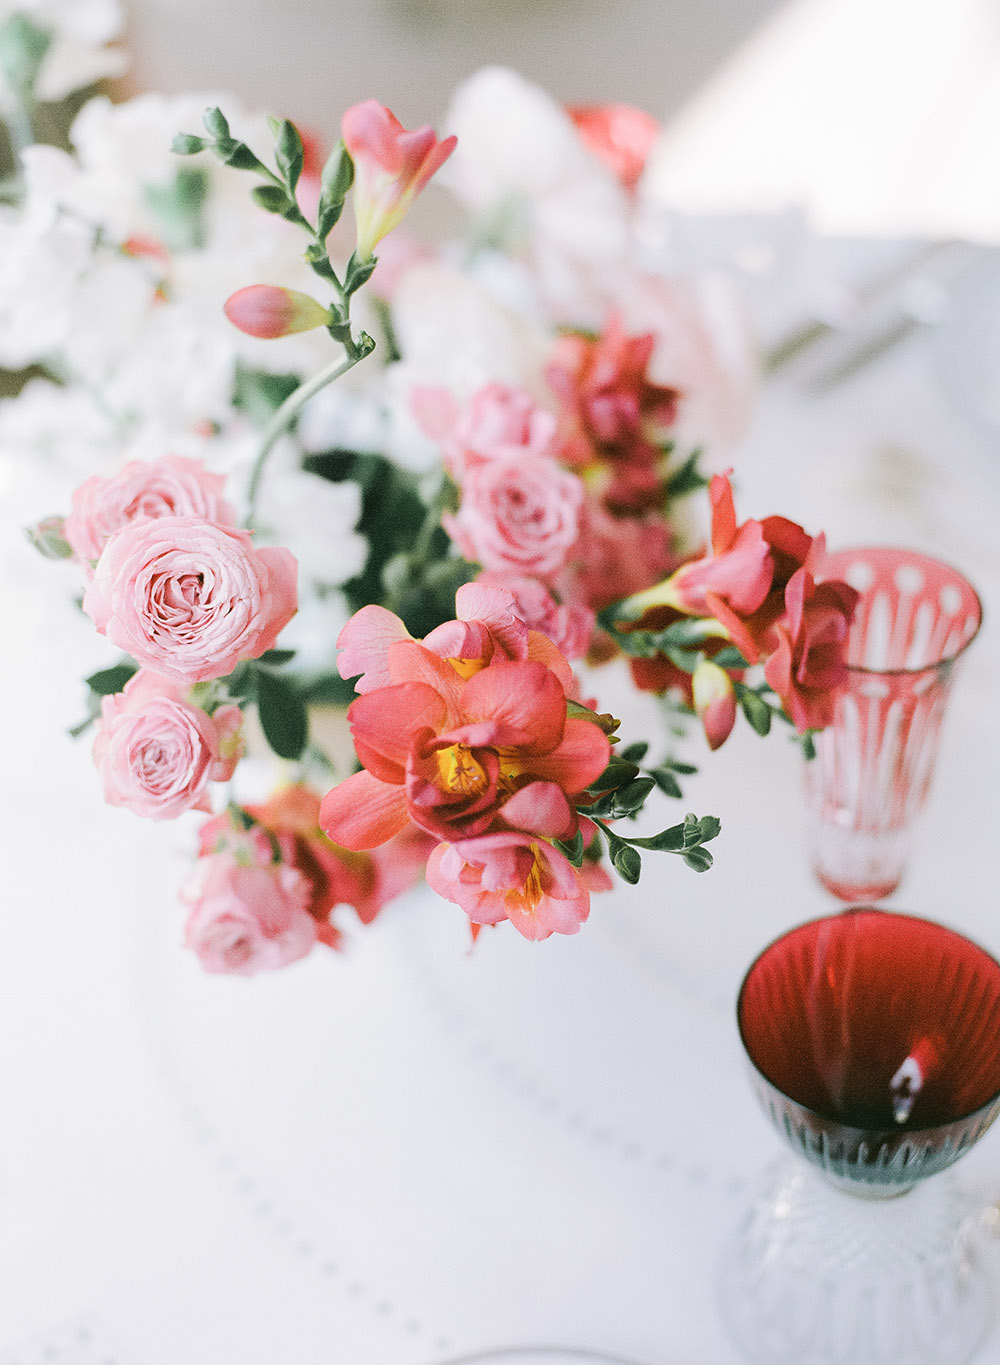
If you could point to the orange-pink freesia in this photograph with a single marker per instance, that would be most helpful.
(391, 166)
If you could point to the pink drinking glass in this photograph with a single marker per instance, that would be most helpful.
(873, 766)
(874, 1045)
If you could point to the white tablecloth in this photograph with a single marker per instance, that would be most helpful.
(409, 1152)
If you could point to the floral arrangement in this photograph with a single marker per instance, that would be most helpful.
(494, 498)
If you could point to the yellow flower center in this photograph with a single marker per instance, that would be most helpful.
(459, 772)
(528, 895)
(466, 668)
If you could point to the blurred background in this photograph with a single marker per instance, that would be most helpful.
(873, 115)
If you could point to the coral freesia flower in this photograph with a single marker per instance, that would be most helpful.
(461, 756)
(809, 663)
(514, 877)
(391, 166)
(714, 701)
(488, 626)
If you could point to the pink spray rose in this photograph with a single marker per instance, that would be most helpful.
(498, 423)
(518, 515)
(156, 752)
(391, 167)
(169, 487)
(514, 877)
(249, 918)
(188, 598)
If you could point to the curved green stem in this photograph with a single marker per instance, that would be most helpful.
(290, 409)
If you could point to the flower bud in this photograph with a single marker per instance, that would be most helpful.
(714, 700)
(267, 310)
(49, 538)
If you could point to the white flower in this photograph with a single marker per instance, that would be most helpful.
(521, 166)
(76, 55)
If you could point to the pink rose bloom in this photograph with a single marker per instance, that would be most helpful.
(568, 627)
(391, 167)
(514, 877)
(249, 918)
(156, 752)
(518, 515)
(189, 599)
(499, 423)
(170, 487)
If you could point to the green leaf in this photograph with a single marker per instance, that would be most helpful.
(106, 681)
(187, 144)
(282, 713)
(216, 123)
(337, 175)
(627, 863)
(729, 657)
(808, 743)
(288, 153)
(277, 656)
(667, 841)
(630, 798)
(616, 774)
(238, 155)
(756, 710)
(687, 479)
(698, 858)
(573, 850)
(327, 218)
(666, 781)
(634, 753)
(358, 273)
(329, 689)
(272, 198)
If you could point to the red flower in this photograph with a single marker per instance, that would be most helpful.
(619, 135)
(809, 663)
(612, 411)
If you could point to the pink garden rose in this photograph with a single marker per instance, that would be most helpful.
(514, 877)
(518, 515)
(156, 752)
(188, 598)
(169, 487)
(498, 423)
(249, 918)
(391, 167)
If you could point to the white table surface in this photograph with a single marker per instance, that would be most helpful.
(408, 1152)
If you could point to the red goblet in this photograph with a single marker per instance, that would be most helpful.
(873, 766)
(874, 1043)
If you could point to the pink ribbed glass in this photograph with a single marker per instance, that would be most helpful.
(873, 768)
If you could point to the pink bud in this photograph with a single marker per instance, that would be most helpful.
(267, 310)
(714, 700)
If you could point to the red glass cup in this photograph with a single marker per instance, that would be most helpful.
(874, 763)
(874, 1043)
